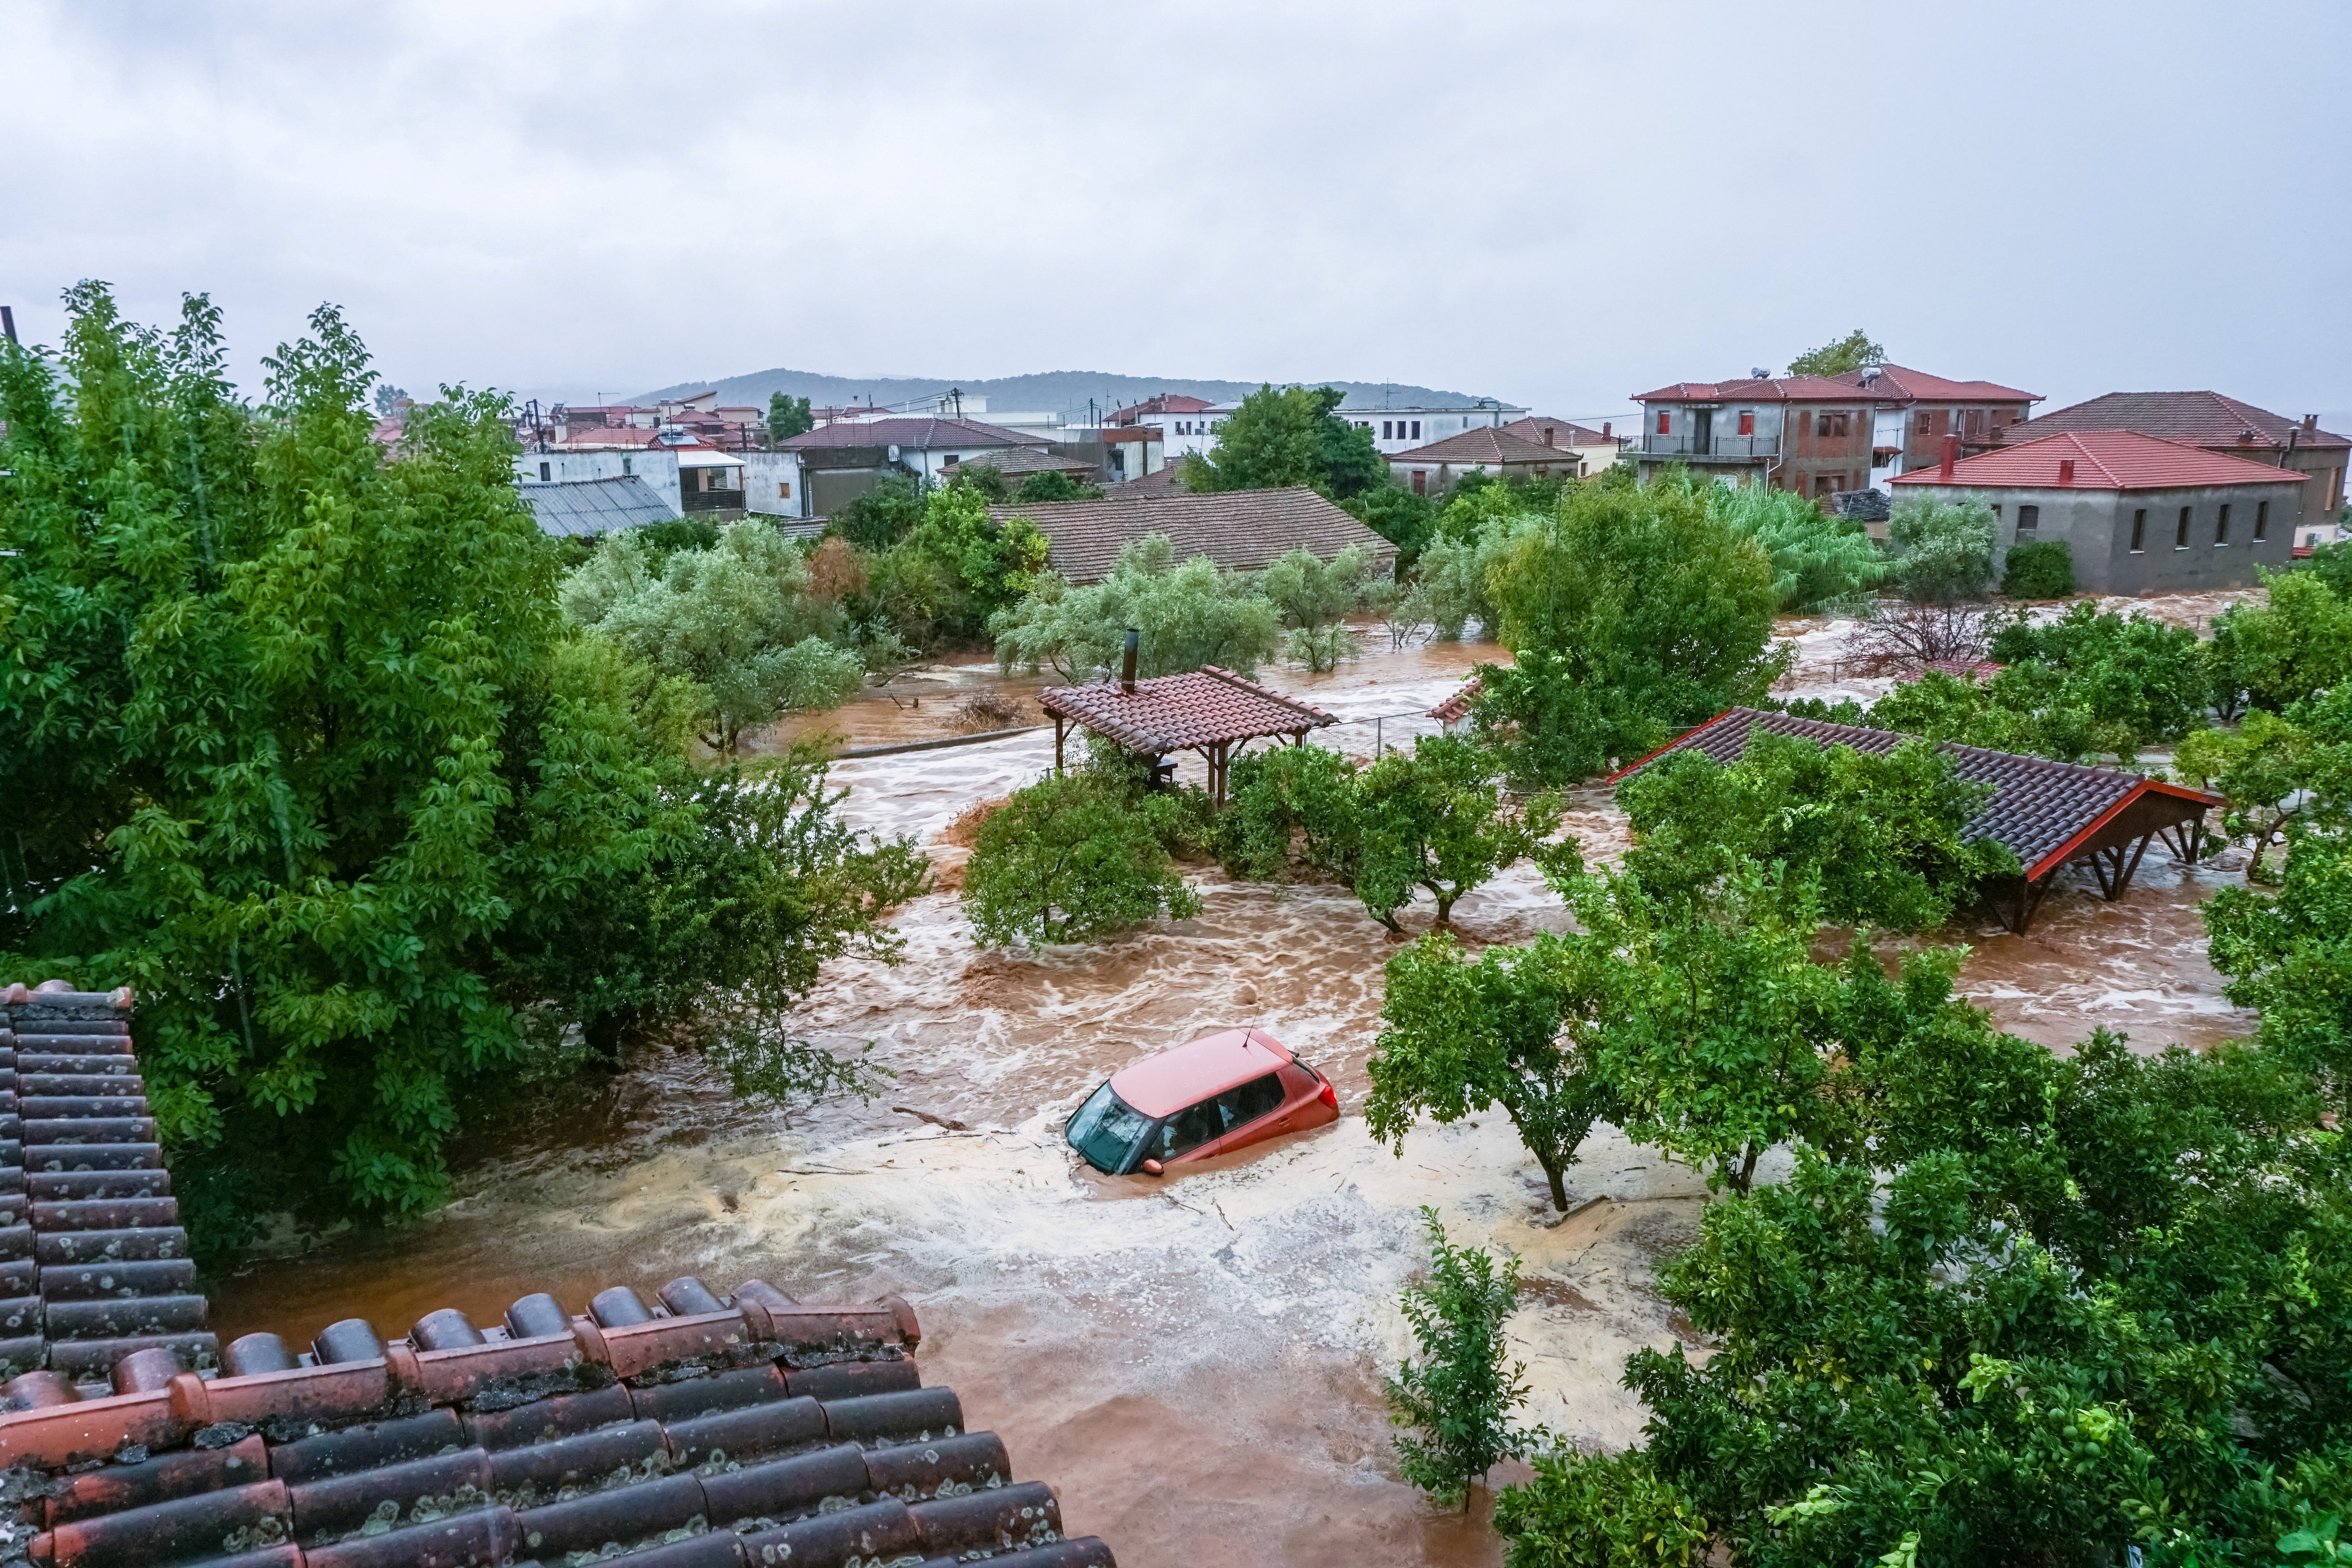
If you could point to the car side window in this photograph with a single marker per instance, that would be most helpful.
(1190, 1128)
(1253, 1099)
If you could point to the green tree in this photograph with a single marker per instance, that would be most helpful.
(1855, 351)
(1435, 819)
(2135, 671)
(2297, 642)
(2288, 954)
(1288, 805)
(1816, 558)
(1599, 1511)
(1552, 728)
(987, 565)
(1460, 1397)
(788, 417)
(1189, 615)
(1943, 549)
(1072, 859)
(882, 516)
(1052, 485)
(1315, 598)
(1289, 436)
(1405, 520)
(1458, 1035)
(297, 742)
(387, 398)
(738, 620)
(2043, 569)
(1880, 836)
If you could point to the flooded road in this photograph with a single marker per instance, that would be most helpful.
(1194, 1362)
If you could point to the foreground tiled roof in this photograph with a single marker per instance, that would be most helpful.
(1175, 713)
(594, 506)
(919, 435)
(2040, 809)
(1900, 384)
(1241, 531)
(697, 1431)
(2104, 460)
(2201, 418)
(1485, 444)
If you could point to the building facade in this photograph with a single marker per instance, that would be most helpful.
(1437, 468)
(1914, 412)
(2138, 515)
(1401, 429)
(1185, 425)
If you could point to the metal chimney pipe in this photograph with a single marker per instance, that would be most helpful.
(1951, 456)
(1127, 661)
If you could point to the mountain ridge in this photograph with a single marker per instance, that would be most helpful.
(1063, 392)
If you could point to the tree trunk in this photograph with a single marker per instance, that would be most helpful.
(1557, 1174)
(1747, 1170)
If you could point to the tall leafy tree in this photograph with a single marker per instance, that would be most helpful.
(788, 417)
(1189, 614)
(1855, 351)
(1316, 597)
(1289, 436)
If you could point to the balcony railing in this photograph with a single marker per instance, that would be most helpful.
(1735, 448)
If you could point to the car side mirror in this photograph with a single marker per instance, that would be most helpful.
(1153, 1168)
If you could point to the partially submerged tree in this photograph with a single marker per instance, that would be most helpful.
(1189, 614)
(1458, 1399)
(1943, 549)
(1073, 858)
(1435, 819)
(1313, 598)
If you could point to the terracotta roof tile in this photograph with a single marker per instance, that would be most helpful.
(1458, 705)
(1175, 713)
(1770, 389)
(1565, 432)
(2201, 418)
(1241, 531)
(2039, 808)
(1899, 383)
(923, 435)
(1485, 445)
(2104, 460)
(693, 1428)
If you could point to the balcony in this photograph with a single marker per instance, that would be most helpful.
(1710, 448)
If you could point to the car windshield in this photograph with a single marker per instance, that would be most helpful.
(1107, 1130)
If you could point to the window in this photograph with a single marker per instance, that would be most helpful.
(628, 465)
(1384, 430)
(1188, 1129)
(2221, 526)
(2180, 534)
(2029, 523)
(1416, 430)
(1259, 1097)
(784, 489)
(2262, 520)
(545, 473)
(1921, 425)
(1832, 423)
(948, 461)
(1421, 481)
(1664, 422)
(1747, 422)
(2139, 531)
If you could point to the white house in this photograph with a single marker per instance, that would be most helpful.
(1185, 423)
(686, 479)
(1401, 429)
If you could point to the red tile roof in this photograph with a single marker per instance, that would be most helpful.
(1485, 445)
(2104, 460)
(1774, 389)
(919, 434)
(1565, 432)
(1166, 403)
(2201, 418)
(1458, 705)
(2040, 809)
(1241, 531)
(1899, 383)
(1176, 713)
(697, 1429)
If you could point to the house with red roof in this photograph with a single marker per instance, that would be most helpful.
(1915, 411)
(2139, 515)
(1436, 469)
(1185, 423)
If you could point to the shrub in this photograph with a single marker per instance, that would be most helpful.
(1189, 614)
(1598, 1510)
(882, 516)
(1460, 1397)
(1816, 558)
(1944, 549)
(1435, 819)
(1552, 729)
(2042, 570)
(1287, 805)
(1074, 858)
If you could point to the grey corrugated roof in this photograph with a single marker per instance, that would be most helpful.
(576, 506)
(1241, 531)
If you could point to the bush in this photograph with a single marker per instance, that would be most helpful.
(1315, 598)
(882, 516)
(1460, 1397)
(2042, 570)
(1405, 520)
(1816, 558)
(1551, 729)
(1285, 806)
(1598, 1510)
(1943, 549)
(1074, 858)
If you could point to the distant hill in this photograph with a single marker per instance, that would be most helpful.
(1063, 392)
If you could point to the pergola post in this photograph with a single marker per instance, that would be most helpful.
(1057, 745)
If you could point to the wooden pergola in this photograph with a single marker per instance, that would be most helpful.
(1209, 711)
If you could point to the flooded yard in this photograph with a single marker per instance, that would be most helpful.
(1194, 1362)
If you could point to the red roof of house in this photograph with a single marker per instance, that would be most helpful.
(2104, 460)
(2203, 418)
(1176, 713)
(1166, 403)
(1565, 432)
(1900, 384)
(1485, 444)
(1771, 389)
(921, 434)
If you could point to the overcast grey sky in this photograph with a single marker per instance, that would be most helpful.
(1559, 204)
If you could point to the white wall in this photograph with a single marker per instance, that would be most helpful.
(771, 484)
(658, 468)
(1886, 429)
(1436, 424)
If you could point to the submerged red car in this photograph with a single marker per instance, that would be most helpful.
(1212, 1097)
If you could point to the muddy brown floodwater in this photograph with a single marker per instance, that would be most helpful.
(1194, 1362)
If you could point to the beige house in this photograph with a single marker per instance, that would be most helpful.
(1437, 467)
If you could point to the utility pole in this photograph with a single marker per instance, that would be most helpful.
(8, 323)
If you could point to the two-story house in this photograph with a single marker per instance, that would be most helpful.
(1801, 433)
(1186, 424)
(1915, 411)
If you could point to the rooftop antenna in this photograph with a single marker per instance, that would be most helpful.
(8, 323)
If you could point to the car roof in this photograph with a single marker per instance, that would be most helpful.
(1164, 1084)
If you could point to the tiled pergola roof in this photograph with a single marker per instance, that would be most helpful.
(1178, 712)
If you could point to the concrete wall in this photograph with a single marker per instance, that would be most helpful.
(2096, 528)
(771, 484)
(1436, 424)
(658, 468)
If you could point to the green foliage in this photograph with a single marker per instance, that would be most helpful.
(2289, 956)
(1435, 819)
(1313, 598)
(1879, 836)
(1598, 1510)
(1648, 596)
(1288, 805)
(788, 417)
(736, 621)
(1855, 351)
(2332, 564)
(1074, 858)
(2041, 570)
(1816, 558)
(2151, 678)
(1288, 436)
(1943, 549)
(1405, 520)
(1459, 1398)
(984, 477)
(985, 566)
(2039, 709)
(675, 533)
(792, 1075)
(2295, 644)
(882, 515)
(1054, 485)
(387, 398)
(1189, 614)
(1552, 729)
(296, 743)
(1457, 1037)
